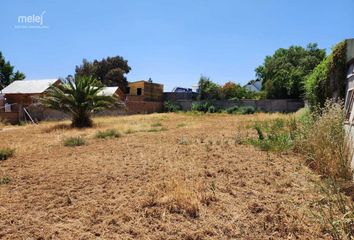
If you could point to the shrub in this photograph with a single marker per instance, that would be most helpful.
(276, 138)
(5, 153)
(157, 129)
(110, 133)
(158, 124)
(5, 180)
(211, 109)
(201, 107)
(231, 110)
(246, 110)
(181, 125)
(74, 141)
(129, 131)
(260, 133)
(241, 110)
(176, 196)
(170, 106)
(325, 143)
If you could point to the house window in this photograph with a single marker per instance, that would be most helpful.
(128, 90)
(138, 91)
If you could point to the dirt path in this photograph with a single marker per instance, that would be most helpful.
(189, 179)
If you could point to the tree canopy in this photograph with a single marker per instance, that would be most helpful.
(209, 90)
(231, 90)
(110, 71)
(7, 74)
(283, 74)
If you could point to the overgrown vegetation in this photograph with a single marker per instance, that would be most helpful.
(273, 136)
(241, 110)
(74, 141)
(340, 226)
(328, 78)
(321, 138)
(109, 133)
(208, 107)
(6, 153)
(326, 144)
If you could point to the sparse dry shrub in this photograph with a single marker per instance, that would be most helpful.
(109, 133)
(6, 153)
(180, 199)
(74, 141)
(325, 142)
(336, 212)
(174, 195)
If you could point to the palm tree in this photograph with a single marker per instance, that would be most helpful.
(78, 97)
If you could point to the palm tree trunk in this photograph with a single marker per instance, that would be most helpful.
(82, 121)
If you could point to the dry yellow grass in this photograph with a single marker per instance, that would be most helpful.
(189, 178)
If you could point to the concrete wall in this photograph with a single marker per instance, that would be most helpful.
(9, 117)
(139, 107)
(176, 96)
(39, 113)
(267, 105)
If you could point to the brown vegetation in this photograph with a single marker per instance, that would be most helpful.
(190, 179)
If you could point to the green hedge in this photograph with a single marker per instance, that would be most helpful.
(328, 79)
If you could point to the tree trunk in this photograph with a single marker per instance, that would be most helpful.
(81, 121)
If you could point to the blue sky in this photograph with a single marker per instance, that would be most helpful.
(173, 42)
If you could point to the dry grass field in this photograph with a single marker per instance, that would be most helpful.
(169, 176)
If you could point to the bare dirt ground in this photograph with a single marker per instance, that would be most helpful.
(170, 176)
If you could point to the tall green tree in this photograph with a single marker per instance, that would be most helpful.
(7, 74)
(283, 74)
(232, 90)
(78, 97)
(208, 89)
(110, 71)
